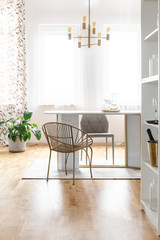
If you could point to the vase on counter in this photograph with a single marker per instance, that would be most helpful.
(153, 195)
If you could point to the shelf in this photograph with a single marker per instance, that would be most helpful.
(153, 79)
(154, 169)
(153, 36)
(153, 215)
(152, 125)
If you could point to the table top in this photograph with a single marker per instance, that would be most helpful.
(82, 112)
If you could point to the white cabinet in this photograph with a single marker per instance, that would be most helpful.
(150, 89)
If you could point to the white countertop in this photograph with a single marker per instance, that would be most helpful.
(82, 112)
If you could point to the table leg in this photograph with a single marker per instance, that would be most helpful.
(72, 119)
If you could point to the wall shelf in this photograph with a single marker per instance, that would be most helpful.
(154, 169)
(153, 215)
(152, 125)
(153, 36)
(153, 79)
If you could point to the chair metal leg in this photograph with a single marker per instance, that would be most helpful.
(113, 149)
(106, 148)
(81, 154)
(90, 164)
(73, 167)
(49, 164)
(86, 149)
(82, 150)
(66, 163)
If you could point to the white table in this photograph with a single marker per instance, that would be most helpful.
(132, 134)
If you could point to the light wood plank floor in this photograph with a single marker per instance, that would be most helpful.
(90, 210)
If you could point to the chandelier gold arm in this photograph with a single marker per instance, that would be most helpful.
(89, 37)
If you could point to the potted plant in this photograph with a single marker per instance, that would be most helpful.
(19, 131)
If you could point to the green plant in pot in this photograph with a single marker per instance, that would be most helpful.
(19, 131)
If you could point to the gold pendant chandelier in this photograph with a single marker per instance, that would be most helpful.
(91, 32)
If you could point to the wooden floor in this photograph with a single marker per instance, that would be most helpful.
(90, 210)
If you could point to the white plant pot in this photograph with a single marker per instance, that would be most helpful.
(17, 146)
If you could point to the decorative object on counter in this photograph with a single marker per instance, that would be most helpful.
(19, 131)
(153, 195)
(114, 105)
(152, 149)
(111, 104)
(150, 67)
(107, 104)
(155, 108)
(153, 65)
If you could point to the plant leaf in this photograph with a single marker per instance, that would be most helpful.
(13, 138)
(20, 137)
(25, 137)
(27, 115)
(37, 133)
(29, 135)
(21, 129)
(35, 125)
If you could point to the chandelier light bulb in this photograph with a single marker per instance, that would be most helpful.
(84, 18)
(94, 24)
(69, 29)
(69, 33)
(84, 22)
(99, 35)
(79, 38)
(94, 27)
(108, 29)
(79, 41)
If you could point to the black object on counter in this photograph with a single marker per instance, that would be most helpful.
(151, 139)
(152, 121)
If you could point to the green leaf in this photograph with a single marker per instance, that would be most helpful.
(26, 123)
(25, 137)
(35, 125)
(37, 133)
(29, 135)
(13, 121)
(21, 129)
(27, 115)
(2, 123)
(13, 138)
(20, 137)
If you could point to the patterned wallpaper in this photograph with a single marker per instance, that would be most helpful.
(12, 60)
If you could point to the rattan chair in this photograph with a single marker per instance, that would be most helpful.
(67, 139)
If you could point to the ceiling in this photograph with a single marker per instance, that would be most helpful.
(111, 11)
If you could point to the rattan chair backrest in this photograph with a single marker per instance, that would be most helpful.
(65, 138)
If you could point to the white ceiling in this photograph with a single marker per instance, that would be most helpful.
(105, 11)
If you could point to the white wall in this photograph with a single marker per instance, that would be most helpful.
(71, 12)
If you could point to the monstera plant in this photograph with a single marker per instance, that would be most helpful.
(19, 131)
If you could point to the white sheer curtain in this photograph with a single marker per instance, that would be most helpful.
(84, 77)
(59, 67)
(121, 69)
(69, 77)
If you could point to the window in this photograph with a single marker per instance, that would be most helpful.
(84, 77)
(122, 65)
(59, 63)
